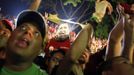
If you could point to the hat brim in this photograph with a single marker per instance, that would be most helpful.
(8, 24)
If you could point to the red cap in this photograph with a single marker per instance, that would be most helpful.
(9, 25)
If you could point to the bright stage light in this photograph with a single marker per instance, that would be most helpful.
(72, 22)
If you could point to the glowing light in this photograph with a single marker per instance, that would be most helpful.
(75, 26)
(69, 21)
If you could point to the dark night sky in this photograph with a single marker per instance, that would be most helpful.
(12, 7)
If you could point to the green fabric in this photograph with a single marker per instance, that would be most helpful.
(33, 70)
(93, 18)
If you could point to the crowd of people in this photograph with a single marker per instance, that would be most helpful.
(66, 52)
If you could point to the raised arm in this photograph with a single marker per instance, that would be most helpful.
(123, 65)
(114, 40)
(35, 5)
(129, 39)
(76, 50)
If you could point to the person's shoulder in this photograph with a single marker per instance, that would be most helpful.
(114, 61)
(40, 71)
(43, 72)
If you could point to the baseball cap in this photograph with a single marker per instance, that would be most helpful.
(32, 16)
(8, 24)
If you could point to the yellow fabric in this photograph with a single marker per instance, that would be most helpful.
(100, 9)
(54, 18)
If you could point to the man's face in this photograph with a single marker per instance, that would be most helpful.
(56, 59)
(4, 35)
(25, 41)
(63, 31)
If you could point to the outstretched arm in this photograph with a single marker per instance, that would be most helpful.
(35, 5)
(123, 65)
(129, 39)
(76, 51)
(114, 40)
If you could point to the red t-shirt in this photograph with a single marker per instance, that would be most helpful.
(64, 45)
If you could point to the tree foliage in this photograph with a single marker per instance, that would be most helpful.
(73, 2)
(81, 11)
(101, 31)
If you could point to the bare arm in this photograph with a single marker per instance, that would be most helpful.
(114, 41)
(76, 51)
(129, 40)
(35, 5)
